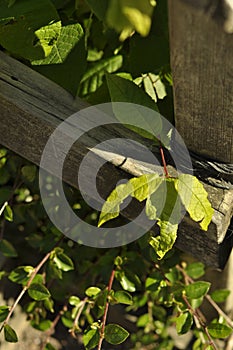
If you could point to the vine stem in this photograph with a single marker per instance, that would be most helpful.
(25, 288)
(76, 320)
(164, 161)
(208, 297)
(203, 325)
(111, 279)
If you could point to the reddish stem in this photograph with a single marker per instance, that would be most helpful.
(110, 282)
(164, 162)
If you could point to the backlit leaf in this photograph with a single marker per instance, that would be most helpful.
(194, 197)
(93, 77)
(4, 310)
(139, 188)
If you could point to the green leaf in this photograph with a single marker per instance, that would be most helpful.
(168, 220)
(8, 213)
(125, 282)
(115, 334)
(140, 120)
(92, 291)
(93, 77)
(197, 289)
(10, 334)
(63, 262)
(195, 270)
(68, 53)
(29, 172)
(143, 320)
(125, 16)
(43, 326)
(68, 38)
(74, 301)
(49, 346)
(220, 295)
(123, 297)
(38, 292)
(139, 187)
(4, 310)
(194, 197)
(218, 330)
(91, 339)
(184, 323)
(21, 274)
(165, 240)
(4, 176)
(18, 34)
(154, 86)
(7, 249)
(48, 36)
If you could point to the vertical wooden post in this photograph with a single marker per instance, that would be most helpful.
(202, 69)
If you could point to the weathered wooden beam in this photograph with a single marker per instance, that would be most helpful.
(202, 68)
(32, 107)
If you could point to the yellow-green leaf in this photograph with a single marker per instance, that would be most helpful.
(140, 188)
(194, 197)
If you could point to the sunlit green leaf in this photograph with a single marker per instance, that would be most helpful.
(125, 16)
(92, 291)
(218, 330)
(8, 213)
(68, 38)
(197, 289)
(115, 334)
(93, 77)
(194, 197)
(184, 322)
(63, 262)
(139, 188)
(91, 339)
(48, 36)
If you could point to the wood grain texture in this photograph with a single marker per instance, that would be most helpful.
(32, 107)
(202, 68)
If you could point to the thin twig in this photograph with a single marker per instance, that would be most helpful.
(203, 325)
(208, 297)
(76, 320)
(25, 288)
(111, 279)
